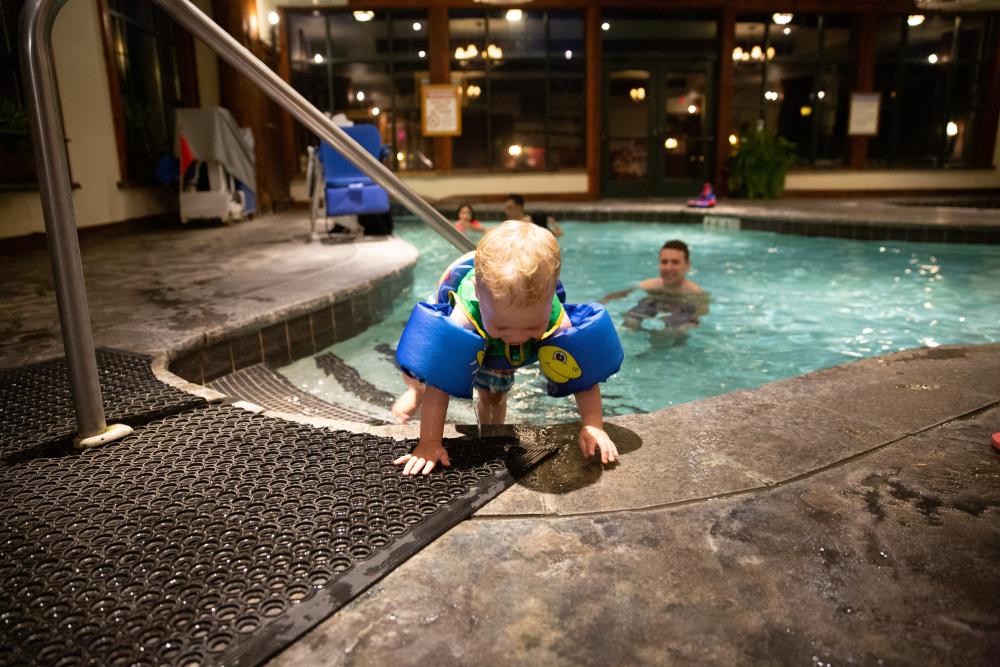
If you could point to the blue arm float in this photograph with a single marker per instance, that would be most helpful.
(439, 352)
(578, 358)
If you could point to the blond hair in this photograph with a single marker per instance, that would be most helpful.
(518, 262)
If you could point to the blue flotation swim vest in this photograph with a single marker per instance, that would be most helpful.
(437, 351)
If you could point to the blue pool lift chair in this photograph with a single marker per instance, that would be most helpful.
(339, 192)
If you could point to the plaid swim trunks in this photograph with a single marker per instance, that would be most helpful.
(493, 379)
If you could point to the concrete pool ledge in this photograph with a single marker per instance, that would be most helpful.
(742, 441)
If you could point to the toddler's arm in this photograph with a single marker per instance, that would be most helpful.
(592, 435)
(430, 451)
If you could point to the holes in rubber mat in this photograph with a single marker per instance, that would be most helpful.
(199, 530)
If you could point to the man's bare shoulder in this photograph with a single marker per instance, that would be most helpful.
(691, 287)
(650, 284)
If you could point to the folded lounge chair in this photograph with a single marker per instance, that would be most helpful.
(339, 190)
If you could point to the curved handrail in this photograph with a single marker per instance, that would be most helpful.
(37, 17)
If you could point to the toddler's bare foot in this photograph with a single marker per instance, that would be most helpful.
(406, 405)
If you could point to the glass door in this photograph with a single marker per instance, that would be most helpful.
(659, 130)
(628, 125)
(686, 133)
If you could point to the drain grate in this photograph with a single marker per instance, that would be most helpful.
(216, 536)
(36, 405)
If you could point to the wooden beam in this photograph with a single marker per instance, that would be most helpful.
(724, 95)
(866, 29)
(284, 45)
(592, 78)
(440, 72)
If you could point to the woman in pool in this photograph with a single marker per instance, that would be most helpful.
(467, 219)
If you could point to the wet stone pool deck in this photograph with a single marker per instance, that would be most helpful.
(849, 516)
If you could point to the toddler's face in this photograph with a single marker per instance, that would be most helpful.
(514, 323)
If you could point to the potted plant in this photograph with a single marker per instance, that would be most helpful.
(758, 168)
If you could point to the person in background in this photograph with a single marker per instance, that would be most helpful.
(466, 219)
(513, 208)
(671, 297)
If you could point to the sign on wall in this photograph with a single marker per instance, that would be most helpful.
(863, 118)
(441, 110)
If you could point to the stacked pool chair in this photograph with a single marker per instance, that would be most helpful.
(340, 192)
(218, 171)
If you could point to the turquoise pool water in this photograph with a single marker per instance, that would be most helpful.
(781, 306)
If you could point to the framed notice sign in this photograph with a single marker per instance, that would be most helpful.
(863, 119)
(441, 110)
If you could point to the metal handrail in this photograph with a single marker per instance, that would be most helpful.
(52, 163)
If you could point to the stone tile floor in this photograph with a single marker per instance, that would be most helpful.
(166, 288)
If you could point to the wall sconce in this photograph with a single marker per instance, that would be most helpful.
(670, 144)
(363, 16)
(913, 20)
(318, 58)
(782, 18)
(771, 95)
(692, 109)
(733, 140)
(472, 91)
(515, 150)
(932, 59)
(376, 111)
(637, 94)
(514, 15)
(493, 52)
(952, 128)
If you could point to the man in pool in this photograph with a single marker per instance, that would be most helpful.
(671, 297)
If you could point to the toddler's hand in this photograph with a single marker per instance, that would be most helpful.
(425, 457)
(593, 438)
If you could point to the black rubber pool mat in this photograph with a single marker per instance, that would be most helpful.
(272, 391)
(36, 405)
(216, 536)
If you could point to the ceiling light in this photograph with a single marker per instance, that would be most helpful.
(733, 139)
(787, 30)
(932, 58)
(605, 26)
(692, 109)
(670, 144)
(422, 53)
(913, 20)
(952, 128)
(781, 18)
(360, 96)
(363, 16)
(514, 15)
(376, 111)
(318, 58)
(514, 150)
(821, 94)
(417, 26)
(568, 54)
(273, 18)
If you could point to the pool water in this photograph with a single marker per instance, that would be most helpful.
(780, 306)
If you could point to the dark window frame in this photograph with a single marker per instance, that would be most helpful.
(388, 58)
(547, 55)
(901, 60)
(809, 158)
(184, 54)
